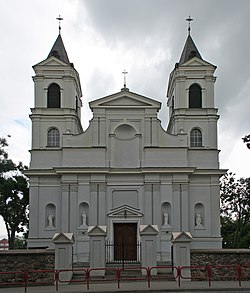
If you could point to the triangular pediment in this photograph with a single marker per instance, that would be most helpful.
(97, 230)
(51, 61)
(181, 236)
(125, 99)
(197, 62)
(63, 238)
(149, 229)
(125, 211)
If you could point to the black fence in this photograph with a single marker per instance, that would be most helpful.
(123, 252)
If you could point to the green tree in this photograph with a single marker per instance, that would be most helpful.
(14, 195)
(246, 140)
(5, 163)
(235, 211)
(20, 242)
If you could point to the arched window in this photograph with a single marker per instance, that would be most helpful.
(195, 138)
(53, 137)
(195, 96)
(54, 96)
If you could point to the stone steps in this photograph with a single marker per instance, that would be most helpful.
(130, 270)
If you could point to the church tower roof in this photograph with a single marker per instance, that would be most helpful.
(58, 50)
(189, 51)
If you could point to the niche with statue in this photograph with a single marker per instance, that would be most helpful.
(166, 212)
(83, 216)
(50, 217)
(199, 216)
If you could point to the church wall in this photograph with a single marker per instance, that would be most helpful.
(42, 158)
(87, 157)
(215, 205)
(49, 195)
(176, 208)
(207, 129)
(200, 195)
(63, 119)
(203, 159)
(166, 200)
(33, 209)
(162, 157)
(125, 153)
(65, 78)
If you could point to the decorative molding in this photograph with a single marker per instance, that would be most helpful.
(73, 187)
(147, 187)
(156, 187)
(94, 187)
(102, 187)
(180, 187)
(152, 187)
(184, 187)
(176, 187)
(65, 187)
(70, 187)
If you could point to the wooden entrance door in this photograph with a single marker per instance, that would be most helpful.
(125, 240)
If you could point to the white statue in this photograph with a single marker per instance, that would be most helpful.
(165, 218)
(84, 219)
(51, 221)
(198, 219)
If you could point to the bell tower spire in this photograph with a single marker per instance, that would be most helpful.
(57, 110)
(191, 97)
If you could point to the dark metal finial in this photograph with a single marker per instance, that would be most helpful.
(125, 72)
(59, 20)
(189, 19)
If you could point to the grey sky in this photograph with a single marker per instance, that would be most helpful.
(146, 37)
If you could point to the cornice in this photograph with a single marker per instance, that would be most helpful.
(147, 170)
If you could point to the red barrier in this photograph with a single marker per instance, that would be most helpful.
(227, 272)
(206, 273)
(245, 272)
(60, 272)
(22, 281)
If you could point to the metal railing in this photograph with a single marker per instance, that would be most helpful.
(122, 252)
(87, 277)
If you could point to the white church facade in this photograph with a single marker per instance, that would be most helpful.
(125, 170)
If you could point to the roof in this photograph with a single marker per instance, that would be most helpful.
(4, 240)
(189, 51)
(125, 99)
(58, 50)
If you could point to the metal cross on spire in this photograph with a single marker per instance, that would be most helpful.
(59, 18)
(189, 19)
(125, 72)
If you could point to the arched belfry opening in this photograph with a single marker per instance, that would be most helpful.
(195, 96)
(54, 96)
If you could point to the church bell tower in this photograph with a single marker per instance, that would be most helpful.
(57, 107)
(191, 98)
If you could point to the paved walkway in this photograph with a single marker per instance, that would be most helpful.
(156, 286)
